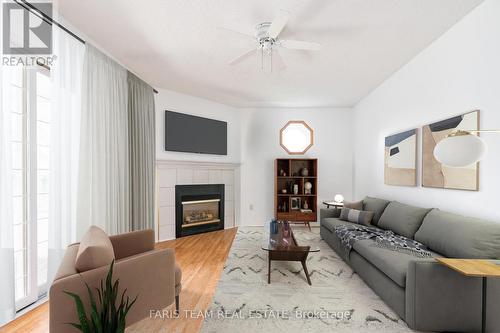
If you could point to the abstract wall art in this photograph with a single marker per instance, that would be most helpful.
(434, 174)
(400, 163)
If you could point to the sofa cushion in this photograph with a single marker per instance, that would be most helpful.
(376, 206)
(356, 216)
(403, 219)
(457, 236)
(331, 222)
(95, 250)
(392, 263)
(354, 205)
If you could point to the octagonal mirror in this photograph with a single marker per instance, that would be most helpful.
(296, 137)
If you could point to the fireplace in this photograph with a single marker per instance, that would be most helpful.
(198, 209)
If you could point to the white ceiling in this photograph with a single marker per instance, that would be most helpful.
(175, 44)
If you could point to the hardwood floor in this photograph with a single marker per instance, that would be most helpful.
(201, 258)
(37, 320)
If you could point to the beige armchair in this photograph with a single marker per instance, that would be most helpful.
(151, 274)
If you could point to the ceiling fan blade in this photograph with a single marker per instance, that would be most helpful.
(236, 33)
(300, 45)
(243, 56)
(278, 24)
(278, 63)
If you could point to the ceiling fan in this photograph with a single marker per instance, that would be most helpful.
(267, 42)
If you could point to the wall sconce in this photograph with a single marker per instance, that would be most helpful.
(461, 148)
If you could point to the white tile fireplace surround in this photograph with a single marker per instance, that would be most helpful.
(171, 173)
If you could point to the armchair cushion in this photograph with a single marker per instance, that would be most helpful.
(178, 274)
(67, 266)
(149, 275)
(178, 279)
(95, 250)
(132, 243)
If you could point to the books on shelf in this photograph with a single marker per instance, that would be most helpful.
(306, 211)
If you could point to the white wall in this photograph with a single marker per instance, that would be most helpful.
(260, 147)
(173, 101)
(459, 72)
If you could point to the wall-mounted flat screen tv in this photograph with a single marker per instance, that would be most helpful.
(191, 134)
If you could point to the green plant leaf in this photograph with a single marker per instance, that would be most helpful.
(82, 316)
(129, 306)
(94, 313)
(109, 316)
(77, 326)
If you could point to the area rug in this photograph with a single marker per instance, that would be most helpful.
(337, 301)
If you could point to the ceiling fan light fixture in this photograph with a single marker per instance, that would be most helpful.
(268, 41)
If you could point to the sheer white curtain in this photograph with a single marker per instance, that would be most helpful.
(103, 189)
(66, 76)
(7, 274)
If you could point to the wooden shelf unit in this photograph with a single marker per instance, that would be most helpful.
(283, 201)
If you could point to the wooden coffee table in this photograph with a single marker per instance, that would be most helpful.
(479, 268)
(282, 246)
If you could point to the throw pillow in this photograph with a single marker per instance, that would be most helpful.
(356, 216)
(95, 250)
(354, 205)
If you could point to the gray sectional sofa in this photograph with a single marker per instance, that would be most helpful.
(426, 294)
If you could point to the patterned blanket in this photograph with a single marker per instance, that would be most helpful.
(350, 234)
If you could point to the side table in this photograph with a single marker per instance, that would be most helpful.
(480, 268)
(335, 204)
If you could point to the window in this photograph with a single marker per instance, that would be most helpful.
(30, 92)
(296, 137)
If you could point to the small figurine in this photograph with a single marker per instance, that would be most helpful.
(306, 205)
(307, 188)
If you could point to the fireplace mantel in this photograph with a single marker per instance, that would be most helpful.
(175, 172)
(198, 165)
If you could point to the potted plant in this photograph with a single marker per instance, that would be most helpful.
(106, 315)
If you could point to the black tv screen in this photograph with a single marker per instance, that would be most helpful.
(191, 134)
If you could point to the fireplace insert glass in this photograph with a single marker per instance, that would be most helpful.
(198, 208)
(198, 212)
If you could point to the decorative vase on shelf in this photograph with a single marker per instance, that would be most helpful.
(295, 189)
(305, 172)
(307, 188)
(306, 206)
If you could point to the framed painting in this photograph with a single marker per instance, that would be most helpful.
(400, 162)
(296, 203)
(434, 174)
